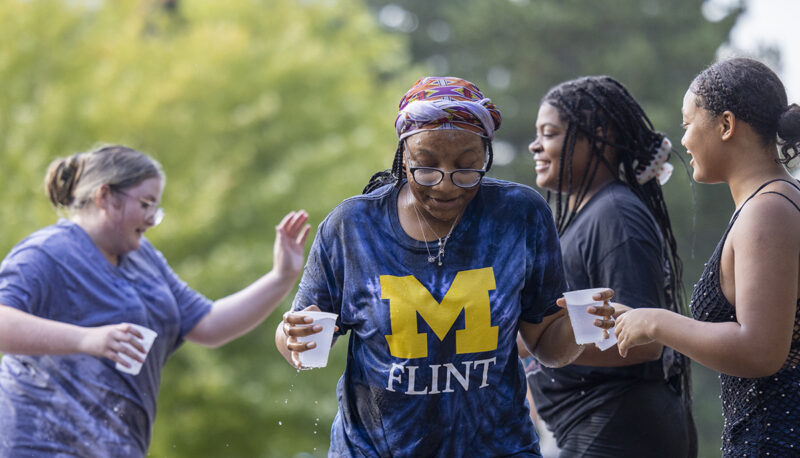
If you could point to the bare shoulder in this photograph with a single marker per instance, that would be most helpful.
(771, 217)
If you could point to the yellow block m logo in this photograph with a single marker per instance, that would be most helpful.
(469, 292)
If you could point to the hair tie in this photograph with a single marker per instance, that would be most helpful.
(658, 166)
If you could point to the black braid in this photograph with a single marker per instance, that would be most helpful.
(599, 103)
(387, 176)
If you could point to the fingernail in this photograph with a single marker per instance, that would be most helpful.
(317, 328)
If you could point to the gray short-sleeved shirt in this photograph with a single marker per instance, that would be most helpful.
(80, 405)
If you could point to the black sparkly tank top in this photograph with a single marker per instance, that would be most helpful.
(762, 415)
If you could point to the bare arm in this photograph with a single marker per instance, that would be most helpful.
(237, 314)
(551, 341)
(25, 334)
(765, 270)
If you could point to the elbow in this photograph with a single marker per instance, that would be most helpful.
(205, 338)
(556, 361)
(209, 342)
(212, 344)
(653, 352)
(759, 364)
(765, 368)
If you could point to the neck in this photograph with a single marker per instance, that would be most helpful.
(743, 183)
(594, 187)
(416, 221)
(91, 226)
(748, 167)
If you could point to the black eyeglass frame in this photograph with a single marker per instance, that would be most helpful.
(442, 173)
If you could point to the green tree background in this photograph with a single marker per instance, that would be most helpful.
(259, 107)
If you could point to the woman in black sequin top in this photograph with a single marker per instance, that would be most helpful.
(745, 306)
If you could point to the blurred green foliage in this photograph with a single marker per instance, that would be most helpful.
(254, 108)
(262, 106)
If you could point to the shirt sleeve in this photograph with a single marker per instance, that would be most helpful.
(321, 283)
(192, 305)
(635, 270)
(24, 281)
(545, 272)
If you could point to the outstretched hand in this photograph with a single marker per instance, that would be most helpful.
(633, 328)
(112, 340)
(290, 239)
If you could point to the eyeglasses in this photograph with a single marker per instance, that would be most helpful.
(151, 209)
(431, 176)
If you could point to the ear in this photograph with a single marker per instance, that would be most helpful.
(102, 196)
(727, 125)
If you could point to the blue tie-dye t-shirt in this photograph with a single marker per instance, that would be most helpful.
(80, 405)
(432, 367)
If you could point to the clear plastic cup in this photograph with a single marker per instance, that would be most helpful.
(149, 336)
(583, 322)
(318, 356)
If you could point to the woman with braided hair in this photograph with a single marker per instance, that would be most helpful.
(73, 293)
(746, 305)
(434, 270)
(597, 153)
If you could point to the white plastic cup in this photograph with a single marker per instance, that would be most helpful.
(583, 321)
(318, 356)
(149, 336)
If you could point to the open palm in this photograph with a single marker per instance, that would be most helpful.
(290, 239)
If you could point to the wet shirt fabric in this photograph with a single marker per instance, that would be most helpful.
(613, 242)
(432, 366)
(80, 405)
(762, 415)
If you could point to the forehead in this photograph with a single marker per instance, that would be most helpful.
(445, 141)
(548, 114)
(689, 103)
(149, 189)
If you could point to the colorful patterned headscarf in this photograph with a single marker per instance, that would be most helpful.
(446, 103)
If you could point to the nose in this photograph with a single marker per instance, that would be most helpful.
(447, 184)
(154, 219)
(535, 146)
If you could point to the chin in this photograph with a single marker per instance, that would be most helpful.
(543, 183)
(697, 175)
(446, 216)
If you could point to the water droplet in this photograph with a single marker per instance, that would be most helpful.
(286, 401)
(280, 423)
(315, 402)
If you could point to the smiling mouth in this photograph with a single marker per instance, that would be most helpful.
(541, 166)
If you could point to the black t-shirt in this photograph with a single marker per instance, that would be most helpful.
(614, 242)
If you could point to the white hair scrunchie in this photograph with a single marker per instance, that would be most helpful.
(658, 166)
